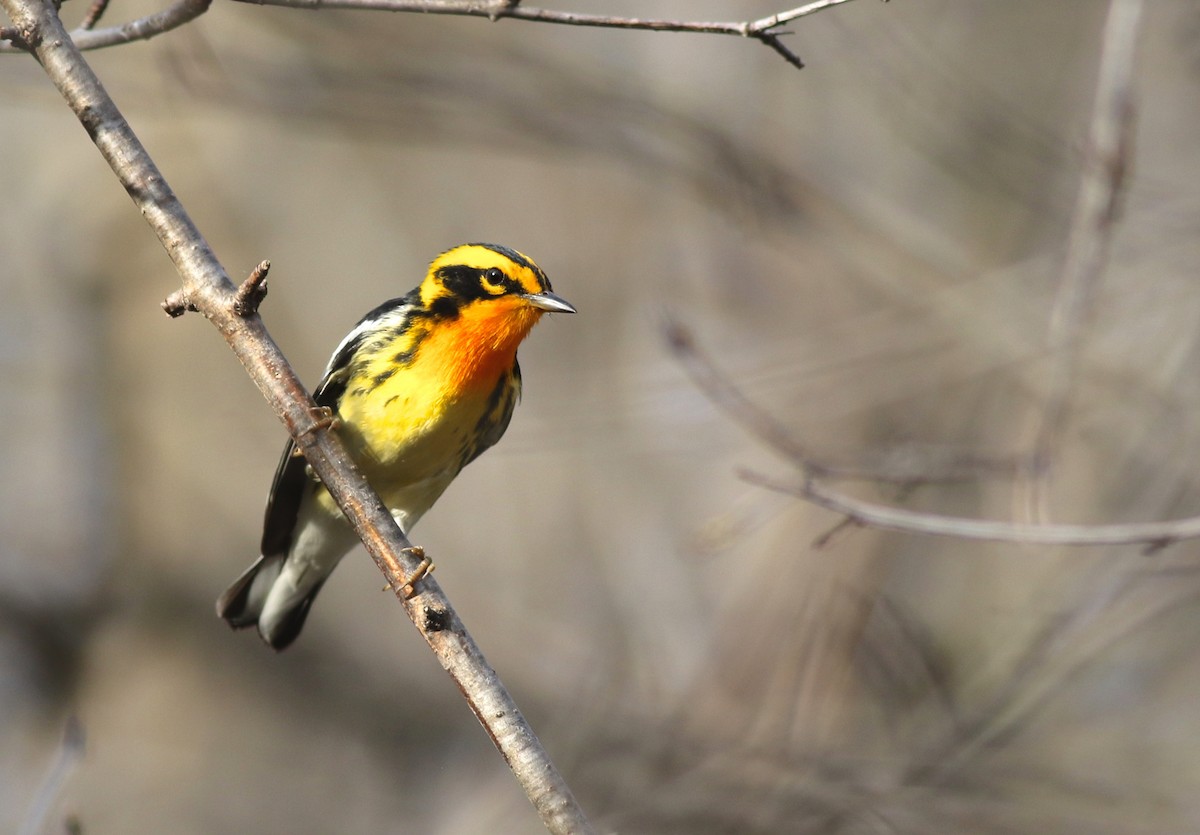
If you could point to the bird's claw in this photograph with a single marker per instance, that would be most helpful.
(408, 587)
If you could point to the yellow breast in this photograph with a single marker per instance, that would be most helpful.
(429, 416)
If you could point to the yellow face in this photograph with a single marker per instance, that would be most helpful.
(484, 299)
(483, 272)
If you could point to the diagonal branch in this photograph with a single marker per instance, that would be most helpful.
(207, 287)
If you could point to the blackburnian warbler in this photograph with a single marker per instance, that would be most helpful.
(419, 388)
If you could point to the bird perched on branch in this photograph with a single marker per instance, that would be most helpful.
(419, 388)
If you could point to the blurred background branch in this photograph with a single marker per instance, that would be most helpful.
(907, 467)
(37, 816)
(1108, 156)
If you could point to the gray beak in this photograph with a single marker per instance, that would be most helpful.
(549, 301)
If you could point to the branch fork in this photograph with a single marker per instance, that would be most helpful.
(244, 302)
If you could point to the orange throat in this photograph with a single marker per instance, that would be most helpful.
(471, 352)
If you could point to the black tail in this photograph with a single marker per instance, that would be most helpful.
(242, 604)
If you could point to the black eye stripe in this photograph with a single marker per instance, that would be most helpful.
(461, 281)
(468, 283)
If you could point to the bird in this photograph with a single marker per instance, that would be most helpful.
(421, 386)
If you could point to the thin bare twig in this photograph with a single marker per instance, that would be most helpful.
(177, 303)
(727, 396)
(144, 28)
(252, 291)
(1097, 211)
(764, 30)
(1154, 535)
(207, 286)
(70, 750)
(94, 13)
(908, 465)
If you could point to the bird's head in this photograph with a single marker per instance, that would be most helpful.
(492, 279)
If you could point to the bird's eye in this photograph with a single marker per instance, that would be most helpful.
(493, 281)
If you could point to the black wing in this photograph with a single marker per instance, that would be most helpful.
(291, 479)
(283, 503)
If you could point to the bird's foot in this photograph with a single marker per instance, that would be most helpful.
(408, 587)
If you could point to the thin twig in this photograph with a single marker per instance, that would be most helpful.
(142, 29)
(722, 391)
(177, 303)
(94, 13)
(907, 465)
(70, 750)
(1152, 534)
(764, 30)
(207, 286)
(252, 291)
(774, 21)
(1097, 209)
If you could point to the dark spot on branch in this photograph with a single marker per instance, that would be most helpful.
(91, 118)
(436, 620)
